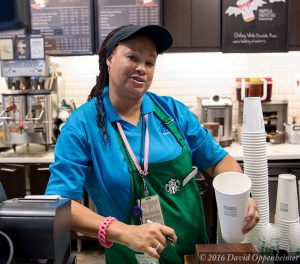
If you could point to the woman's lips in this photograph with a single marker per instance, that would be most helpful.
(138, 80)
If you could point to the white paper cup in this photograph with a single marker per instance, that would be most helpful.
(287, 198)
(232, 190)
(253, 120)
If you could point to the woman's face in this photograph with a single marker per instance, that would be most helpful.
(131, 67)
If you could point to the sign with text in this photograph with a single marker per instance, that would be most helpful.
(67, 25)
(114, 13)
(254, 25)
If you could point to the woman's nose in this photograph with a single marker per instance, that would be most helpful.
(141, 67)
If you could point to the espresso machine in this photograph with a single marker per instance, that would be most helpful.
(29, 107)
(217, 109)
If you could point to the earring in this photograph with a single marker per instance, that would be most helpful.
(108, 69)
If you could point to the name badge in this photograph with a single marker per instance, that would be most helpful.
(152, 210)
(145, 259)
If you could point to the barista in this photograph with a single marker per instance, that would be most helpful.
(133, 151)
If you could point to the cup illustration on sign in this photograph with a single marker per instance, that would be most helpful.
(147, 3)
(245, 8)
(232, 190)
(39, 4)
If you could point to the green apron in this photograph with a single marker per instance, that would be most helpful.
(182, 210)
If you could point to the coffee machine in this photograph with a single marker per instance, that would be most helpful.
(217, 109)
(29, 106)
(275, 114)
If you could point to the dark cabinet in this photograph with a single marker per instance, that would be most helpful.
(294, 25)
(19, 180)
(12, 177)
(177, 18)
(206, 24)
(194, 24)
(39, 176)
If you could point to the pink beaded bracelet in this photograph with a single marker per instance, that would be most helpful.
(102, 232)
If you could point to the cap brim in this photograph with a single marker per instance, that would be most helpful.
(159, 34)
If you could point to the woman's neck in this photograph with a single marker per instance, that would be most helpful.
(129, 110)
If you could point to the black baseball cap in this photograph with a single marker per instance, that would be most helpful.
(159, 34)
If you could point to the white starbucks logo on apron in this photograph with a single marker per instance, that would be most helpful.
(172, 186)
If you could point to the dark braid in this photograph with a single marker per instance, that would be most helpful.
(101, 82)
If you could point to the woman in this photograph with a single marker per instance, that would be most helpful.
(133, 151)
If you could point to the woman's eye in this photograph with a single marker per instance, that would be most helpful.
(132, 57)
(150, 64)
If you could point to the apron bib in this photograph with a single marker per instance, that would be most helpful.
(181, 206)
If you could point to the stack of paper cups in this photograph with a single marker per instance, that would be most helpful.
(269, 239)
(255, 161)
(294, 238)
(287, 211)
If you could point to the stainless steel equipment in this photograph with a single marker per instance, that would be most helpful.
(217, 109)
(3, 143)
(29, 107)
(275, 115)
(39, 229)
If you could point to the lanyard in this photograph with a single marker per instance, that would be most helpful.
(144, 172)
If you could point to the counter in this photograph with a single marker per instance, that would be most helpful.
(284, 151)
(35, 153)
(32, 153)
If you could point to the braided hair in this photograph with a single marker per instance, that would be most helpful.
(101, 81)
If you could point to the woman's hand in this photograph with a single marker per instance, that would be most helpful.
(148, 238)
(252, 217)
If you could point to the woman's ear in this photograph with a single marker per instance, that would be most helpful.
(108, 61)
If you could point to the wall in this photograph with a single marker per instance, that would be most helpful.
(188, 75)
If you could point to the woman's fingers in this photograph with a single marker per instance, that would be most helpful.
(252, 217)
(149, 238)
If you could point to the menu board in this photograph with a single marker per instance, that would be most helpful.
(67, 25)
(254, 26)
(114, 13)
(12, 33)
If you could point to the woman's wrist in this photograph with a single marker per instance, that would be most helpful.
(102, 232)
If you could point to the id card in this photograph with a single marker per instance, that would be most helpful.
(152, 210)
(145, 259)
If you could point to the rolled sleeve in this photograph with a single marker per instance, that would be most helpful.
(205, 151)
(208, 153)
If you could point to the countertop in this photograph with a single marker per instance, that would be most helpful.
(284, 151)
(35, 153)
(32, 153)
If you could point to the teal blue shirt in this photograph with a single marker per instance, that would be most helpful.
(82, 158)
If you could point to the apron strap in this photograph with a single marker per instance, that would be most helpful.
(170, 124)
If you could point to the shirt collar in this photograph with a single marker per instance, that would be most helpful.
(111, 113)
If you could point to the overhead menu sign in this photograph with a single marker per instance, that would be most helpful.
(114, 13)
(65, 24)
(254, 25)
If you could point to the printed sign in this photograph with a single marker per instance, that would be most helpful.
(114, 13)
(22, 48)
(254, 25)
(6, 49)
(66, 25)
(37, 48)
